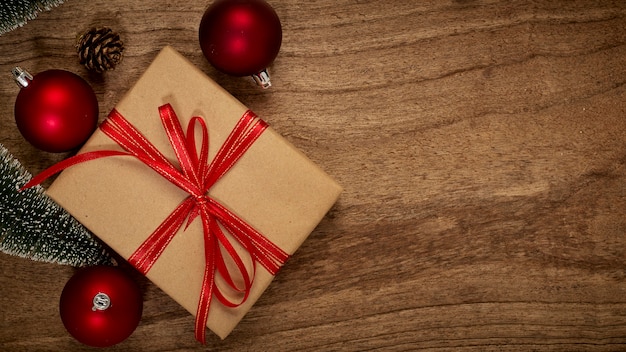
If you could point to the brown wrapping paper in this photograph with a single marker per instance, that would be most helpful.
(273, 187)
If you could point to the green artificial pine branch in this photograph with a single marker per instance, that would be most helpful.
(33, 226)
(15, 13)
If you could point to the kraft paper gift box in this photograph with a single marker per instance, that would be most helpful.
(273, 187)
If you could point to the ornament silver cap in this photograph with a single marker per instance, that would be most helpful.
(101, 301)
(21, 77)
(262, 78)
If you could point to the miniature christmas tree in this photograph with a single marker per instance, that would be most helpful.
(15, 13)
(33, 226)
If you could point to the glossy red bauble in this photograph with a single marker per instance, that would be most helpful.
(240, 37)
(57, 111)
(101, 306)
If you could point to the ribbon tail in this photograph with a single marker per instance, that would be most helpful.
(208, 281)
(202, 315)
(69, 162)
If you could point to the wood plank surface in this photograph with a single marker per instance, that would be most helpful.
(481, 144)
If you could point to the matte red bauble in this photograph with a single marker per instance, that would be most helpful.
(101, 306)
(56, 111)
(241, 37)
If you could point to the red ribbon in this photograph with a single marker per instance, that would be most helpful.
(196, 176)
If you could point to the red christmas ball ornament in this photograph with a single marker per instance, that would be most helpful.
(241, 37)
(101, 306)
(56, 111)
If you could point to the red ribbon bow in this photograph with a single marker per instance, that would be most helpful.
(196, 176)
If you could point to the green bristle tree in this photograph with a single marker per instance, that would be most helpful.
(15, 13)
(33, 226)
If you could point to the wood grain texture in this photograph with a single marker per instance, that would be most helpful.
(481, 144)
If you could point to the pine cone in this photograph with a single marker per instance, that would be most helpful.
(100, 49)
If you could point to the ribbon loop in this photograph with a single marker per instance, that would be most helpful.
(196, 176)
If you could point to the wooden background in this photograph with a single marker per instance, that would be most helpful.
(481, 144)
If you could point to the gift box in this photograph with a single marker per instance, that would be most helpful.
(273, 187)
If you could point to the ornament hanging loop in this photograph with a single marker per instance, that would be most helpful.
(262, 79)
(21, 77)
